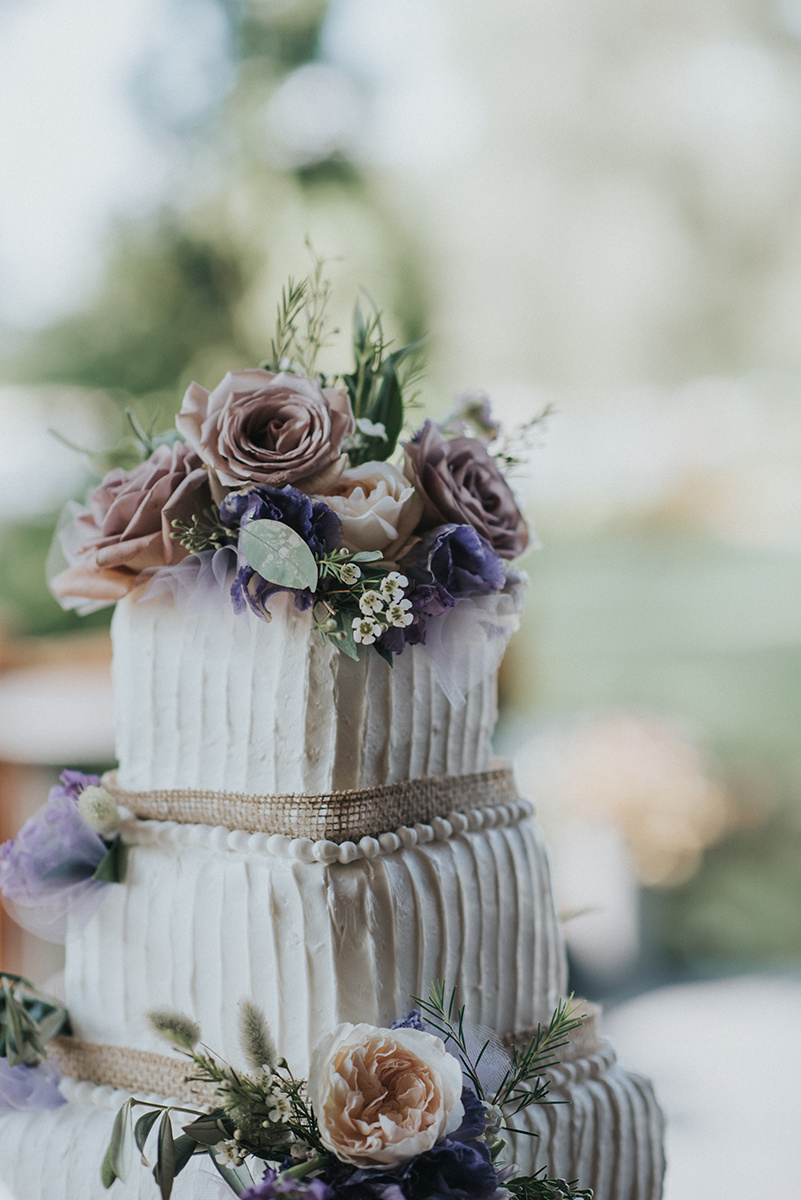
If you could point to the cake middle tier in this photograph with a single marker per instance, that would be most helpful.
(206, 918)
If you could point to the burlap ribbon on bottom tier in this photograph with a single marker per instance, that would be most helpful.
(143, 1073)
(331, 816)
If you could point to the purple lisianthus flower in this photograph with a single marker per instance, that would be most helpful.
(412, 1020)
(25, 1087)
(314, 521)
(462, 1170)
(474, 1121)
(72, 783)
(284, 1187)
(46, 871)
(459, 559)
(450, 1170)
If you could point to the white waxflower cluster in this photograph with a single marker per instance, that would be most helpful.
(381, 608)
(279, 1109)
(349, 572)
(229, 1154)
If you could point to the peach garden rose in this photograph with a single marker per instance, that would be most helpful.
(377, 505)
(383, 1096)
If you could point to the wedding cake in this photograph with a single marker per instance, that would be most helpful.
(305, 815)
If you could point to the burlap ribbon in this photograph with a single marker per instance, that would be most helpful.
(142, 1073)
(333, 816)
(136, 1071)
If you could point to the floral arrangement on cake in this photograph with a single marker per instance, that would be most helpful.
(413, 1112)
(282, 479)
(56, 869)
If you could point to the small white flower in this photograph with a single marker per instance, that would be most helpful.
(228, 1154)
(328, 626)
(279, 1108)
(392, 585)
(399, 615)
(99, 809)
(350, 572)
(371, 601)
(366, 630)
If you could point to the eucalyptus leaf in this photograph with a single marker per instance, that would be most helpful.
(164, 1170)
(110, 867)
(143, 1127)
(278, 554)
(366, 556)
(120, 1147)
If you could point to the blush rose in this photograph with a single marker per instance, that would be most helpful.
(126, 526)
(383, 1096)
(460, 484)
(259, 428)
(377, 505)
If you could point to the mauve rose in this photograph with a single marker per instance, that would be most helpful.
(461, 484)
(126, 527)
(260, 428)
(383, 1096)
(377, 505)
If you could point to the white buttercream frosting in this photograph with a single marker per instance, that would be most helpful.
(212, 699)
(198, 925)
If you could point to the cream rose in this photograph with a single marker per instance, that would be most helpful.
(383, 1096)
(259, 428)
(377, 505)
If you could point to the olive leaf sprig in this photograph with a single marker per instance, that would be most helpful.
(28, 1021)
(265, 1114)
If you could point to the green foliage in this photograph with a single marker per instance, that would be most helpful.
(525, 1082)
(377, 384)
(28, 1021)
(540, 1187)
(111, 868)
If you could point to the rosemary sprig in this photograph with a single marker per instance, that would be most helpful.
(524, 1083)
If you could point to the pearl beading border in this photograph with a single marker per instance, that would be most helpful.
(278, 845)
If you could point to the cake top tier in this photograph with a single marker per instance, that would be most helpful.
(295, 495)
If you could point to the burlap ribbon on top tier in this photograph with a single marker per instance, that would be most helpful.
(330, 816)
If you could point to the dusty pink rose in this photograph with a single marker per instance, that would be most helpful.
(382, 1096)
(460, 483)
(126, 527)
(377, 505)
(263, 429)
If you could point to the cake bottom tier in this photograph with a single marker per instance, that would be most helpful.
(608, 1136)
